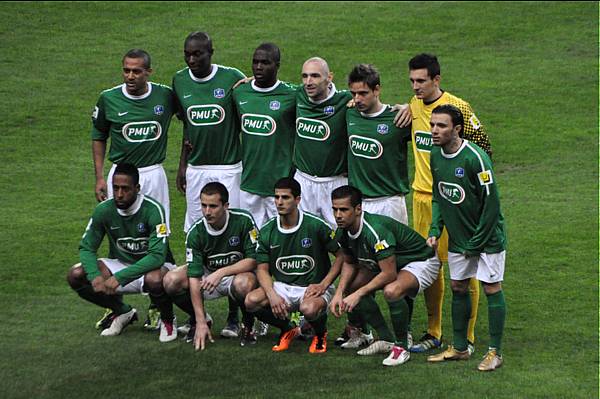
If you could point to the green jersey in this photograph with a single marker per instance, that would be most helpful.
(377, 156)
(380, 237)
(297, 256)
(267, 121)
(208, 249)
(321, 138)
(137, 125)
(207, 110)
(466, 201)
(137, 236)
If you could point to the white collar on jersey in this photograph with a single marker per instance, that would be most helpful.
(332, 91)
(211, 75)
(132, 210)
(377, 113)
(293, 229)
(129, 96)
(360, 227)
(214, 232)
(454, 154)
(264, 89)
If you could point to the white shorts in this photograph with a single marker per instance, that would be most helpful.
(426, 272)
(153, 182)
(293, 294)
(316, 194)
(221, 290)
(198, 176)
(134, 287)
(394, 207)
(261, 208)
(488, 268)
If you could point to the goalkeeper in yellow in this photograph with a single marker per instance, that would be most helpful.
(424, 72)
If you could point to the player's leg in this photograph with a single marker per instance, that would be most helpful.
(357, 331)
(194, 180)
(406, 284)
(314, 310)
(324, 199)
(153, 285)
(241, 286)
(254, 204)
(309, 188)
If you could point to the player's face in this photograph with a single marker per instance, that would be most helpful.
(365, 99)
(264, 68)
(285, 201)
(346, 216)
(198, 55)
(423, 85)
(316, 81)
(124, 191)
(135, 76)
(442, 130)
(213, 209)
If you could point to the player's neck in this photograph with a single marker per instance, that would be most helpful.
(375, 108)
(204, 73)
(218, 225)
(453, 146)
(355, 226)
(290, 220)
(138, 93)
(265, 84)
(434, 96)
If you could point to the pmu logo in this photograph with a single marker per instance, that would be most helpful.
(222, 260)
(365, 147)
(205, 115)
(258, 125)
(136, 132)
(451, 192)
(295, 265)
(423, 141)
(219, 93)
(312, 129)
(134, 246)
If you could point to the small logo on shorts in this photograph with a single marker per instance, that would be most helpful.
(274, 105)
(234, 241)
(219, 93)
(383, 128)
(159, 109)
(459, 172)
(306, 242)
(329, 110)
(141, 227)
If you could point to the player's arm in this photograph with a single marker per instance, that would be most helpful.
(387, 275)
(202, 330)
(474, 131)
(88, 247)
(403, 116)
(186, 148)
(100, 132)
(327, 237)
(279, 306)
(347, 275)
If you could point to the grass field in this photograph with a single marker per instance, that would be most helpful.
(530, 70)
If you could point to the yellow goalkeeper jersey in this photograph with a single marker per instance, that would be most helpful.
(421, 135)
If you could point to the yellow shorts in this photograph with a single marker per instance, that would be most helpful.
(422, 222)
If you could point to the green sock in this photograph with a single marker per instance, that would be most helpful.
(411, 304)
(164, 304)
(113, 302)
(461, 311)
(184, 302)
(496, 315)
(355, 319)
(232, 316)
(370, 311)
(266, 315)
(399, 313)
(320, 324)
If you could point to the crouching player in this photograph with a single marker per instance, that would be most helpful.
(137, 261)
(380, 253)
(294, 249)
(220, 251)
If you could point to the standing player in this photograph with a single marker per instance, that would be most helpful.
(293, 249)
(137, 260)
(380, 253)
(136, 117)
(266, 108)
(210, 149)
(220, 254)
(424, 70)
(466, 201)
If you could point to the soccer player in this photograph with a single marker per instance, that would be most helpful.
(220, 251)
(135, 116)
(293, 249)
(267, 109)
(466, 202)
(377, 156)
(380, 254)
(210, 149)
(424, 72)
(136, 227)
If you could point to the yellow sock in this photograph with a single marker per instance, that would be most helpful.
(434, 298)
(474, 291)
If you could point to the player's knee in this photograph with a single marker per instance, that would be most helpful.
(311, 310)
(392, 292)
(171, 283)
(76, 276)
(252, 301)
(153, 283)
(491, 289)
(243, 284)
(459, 286)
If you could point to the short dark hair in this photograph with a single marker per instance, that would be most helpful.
(139, 53)
(201, 37)
(424, 60)
(366, 73)
(454, 113)
(289, 183)
(128, 169)
(272, 49)
(351, 192)
(216, 188)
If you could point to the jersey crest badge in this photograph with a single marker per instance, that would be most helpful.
(161, 230)
(329, 110)
(141, 227)
(382, 128)
(459, 172)
(306, 242)
(234, 241)
(219, 93)
(159, 109)
(485, 177)
(274, 105)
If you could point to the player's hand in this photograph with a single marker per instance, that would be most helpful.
(350, 104)
(98, 284)
(188, 145)
(210, 282)
(243, 81)
(202, 335)
(433, 243)
(315, 290)
(350, 302)
(181, 181)
(110, 285)
(336, 306)
(101, 190)
(404, 117)
(279, 307)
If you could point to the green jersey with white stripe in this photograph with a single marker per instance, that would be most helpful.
(380, 237)
(267, 122)
(207, 110)
(137, 125)
(298, 256)
(208, 249)
(466, 200)
(137, 236)
(321, 137)
(377, 153)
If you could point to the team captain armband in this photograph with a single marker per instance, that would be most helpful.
(161, 230)
(485, 178)
(381, 245)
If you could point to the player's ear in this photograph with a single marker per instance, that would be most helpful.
(226, 205)
(149, 71)
(437, 79)
(330, 77)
